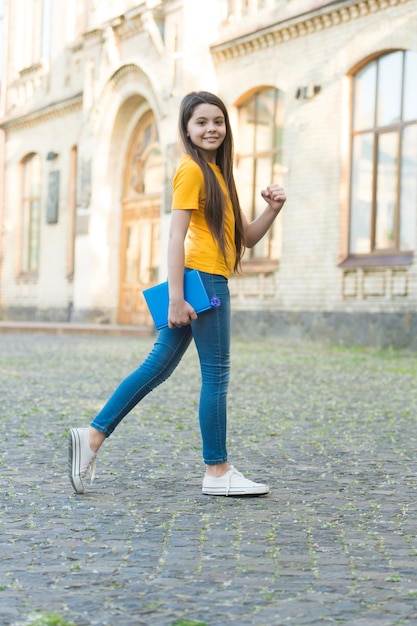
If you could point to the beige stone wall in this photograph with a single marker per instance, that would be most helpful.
(319, 50)
(51, 289)
(96, 86)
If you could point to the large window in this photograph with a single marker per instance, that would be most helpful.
(383, 195)
(31, 207)
(33, 20)
(259, 161)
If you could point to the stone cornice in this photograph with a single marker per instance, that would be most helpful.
(50, 111)
(316, 20)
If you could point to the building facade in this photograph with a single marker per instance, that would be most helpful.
(322, 98)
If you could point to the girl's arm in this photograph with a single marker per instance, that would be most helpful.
(180, 313)
(254, 231)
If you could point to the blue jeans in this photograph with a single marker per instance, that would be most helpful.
(211, 334)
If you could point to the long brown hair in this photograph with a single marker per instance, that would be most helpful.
(214, 207)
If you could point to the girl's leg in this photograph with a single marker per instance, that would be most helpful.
(164, 357)
(84, 443)
(211, 332)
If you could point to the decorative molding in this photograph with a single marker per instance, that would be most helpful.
(129, 26)
(46, 113)
(399, 286)
(314, 21)
(95, 33)
(375, 284)
(125, 74)
(128, 75)
(350, 284)
(32, 69)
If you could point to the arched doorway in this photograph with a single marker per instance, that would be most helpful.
(141, 209)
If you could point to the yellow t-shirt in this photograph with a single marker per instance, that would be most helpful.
(202, 251)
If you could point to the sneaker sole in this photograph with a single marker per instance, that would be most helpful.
(74, 460)
(256, 491)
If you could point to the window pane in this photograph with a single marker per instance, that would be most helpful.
(147, 136)
(361, 194)
(33, 243)
(245, 186)
(153, 171)
(265, 116)
(259, 156)
(389, 89)
(46, 28)
(132, 246)
(145, 249)
(279, 120)
(247, 127)
(408, 212)
(386, 191)
(410, 90)
(31, 213)
(364, 98)
(263, 178)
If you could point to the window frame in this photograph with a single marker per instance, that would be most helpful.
(30, 238)
(251, 262)
(389, 256)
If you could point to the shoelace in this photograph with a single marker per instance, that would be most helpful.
(232, 472)
(91, 469)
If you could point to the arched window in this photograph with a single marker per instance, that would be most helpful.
(31, 210)
(259, 161)
(383, 191)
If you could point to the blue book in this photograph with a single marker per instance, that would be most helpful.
(157, 298)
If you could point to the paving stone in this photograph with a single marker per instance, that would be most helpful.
(330, 428)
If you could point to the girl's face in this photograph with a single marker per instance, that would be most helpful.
(207, 130)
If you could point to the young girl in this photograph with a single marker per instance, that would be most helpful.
(208, 232)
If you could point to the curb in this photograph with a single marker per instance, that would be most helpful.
(79, 329)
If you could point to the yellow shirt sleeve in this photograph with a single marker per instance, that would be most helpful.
(189, 192)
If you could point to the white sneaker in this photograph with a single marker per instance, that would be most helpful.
(232, 483)
(81, 458)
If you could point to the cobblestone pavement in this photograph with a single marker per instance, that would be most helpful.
(333, 430)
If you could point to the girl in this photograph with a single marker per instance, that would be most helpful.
(208, 232)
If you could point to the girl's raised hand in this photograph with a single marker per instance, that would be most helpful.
(275, 196)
